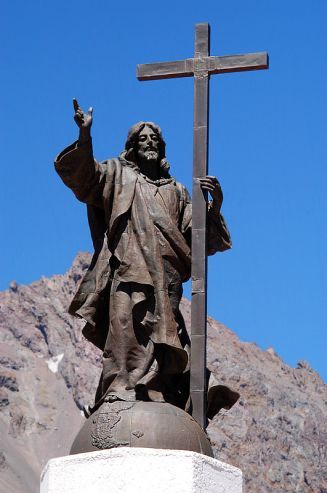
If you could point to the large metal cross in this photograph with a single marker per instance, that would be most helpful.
(201, 67)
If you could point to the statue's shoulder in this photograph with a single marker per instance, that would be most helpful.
(110, 167)
(110, 163)
(117, 170)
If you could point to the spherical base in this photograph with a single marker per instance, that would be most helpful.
(141, 424)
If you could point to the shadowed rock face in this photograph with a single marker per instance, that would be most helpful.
(276, 433)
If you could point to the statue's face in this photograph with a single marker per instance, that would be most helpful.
(148, 145)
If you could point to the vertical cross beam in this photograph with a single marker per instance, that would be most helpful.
(199, 215)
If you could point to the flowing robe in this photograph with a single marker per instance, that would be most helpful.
(130, 294)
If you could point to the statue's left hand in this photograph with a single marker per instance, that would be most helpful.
(211, 184)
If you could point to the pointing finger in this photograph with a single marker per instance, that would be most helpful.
(90, 111)
(75, 104)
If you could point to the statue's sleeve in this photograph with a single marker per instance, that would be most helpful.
(82, 173)
(218, 237)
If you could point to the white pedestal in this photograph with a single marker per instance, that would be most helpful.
(136, 470)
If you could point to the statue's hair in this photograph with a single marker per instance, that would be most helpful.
(132, 139)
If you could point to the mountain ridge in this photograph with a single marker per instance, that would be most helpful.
(276, 432)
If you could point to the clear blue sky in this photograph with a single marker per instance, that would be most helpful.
(267, 144)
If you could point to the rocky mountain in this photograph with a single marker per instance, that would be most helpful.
(276, 433)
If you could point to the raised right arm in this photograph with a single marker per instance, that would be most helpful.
(76, 165)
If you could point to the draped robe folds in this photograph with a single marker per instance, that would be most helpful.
(130, 295)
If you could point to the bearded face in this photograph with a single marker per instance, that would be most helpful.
(148, 145)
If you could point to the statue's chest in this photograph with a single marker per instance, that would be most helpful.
(167, 197)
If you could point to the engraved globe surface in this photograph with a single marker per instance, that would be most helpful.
(141, 424)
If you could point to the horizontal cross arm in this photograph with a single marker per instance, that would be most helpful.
(238, 63)
(165, 70)
(210, 64)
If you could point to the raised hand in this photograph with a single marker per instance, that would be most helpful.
(211, 184)
(83, 120)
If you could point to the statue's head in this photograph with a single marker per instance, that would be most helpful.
(145, 143)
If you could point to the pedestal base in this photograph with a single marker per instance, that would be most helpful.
(136, 470)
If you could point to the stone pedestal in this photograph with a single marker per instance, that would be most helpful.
(136, 470)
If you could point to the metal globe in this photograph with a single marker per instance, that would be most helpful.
(141, 424)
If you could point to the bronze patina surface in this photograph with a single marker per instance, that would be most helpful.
(140, 219)
(141, 424)
(143, 228)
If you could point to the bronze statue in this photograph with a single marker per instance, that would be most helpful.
(140, 220)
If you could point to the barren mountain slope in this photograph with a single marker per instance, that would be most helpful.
(276, 433)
